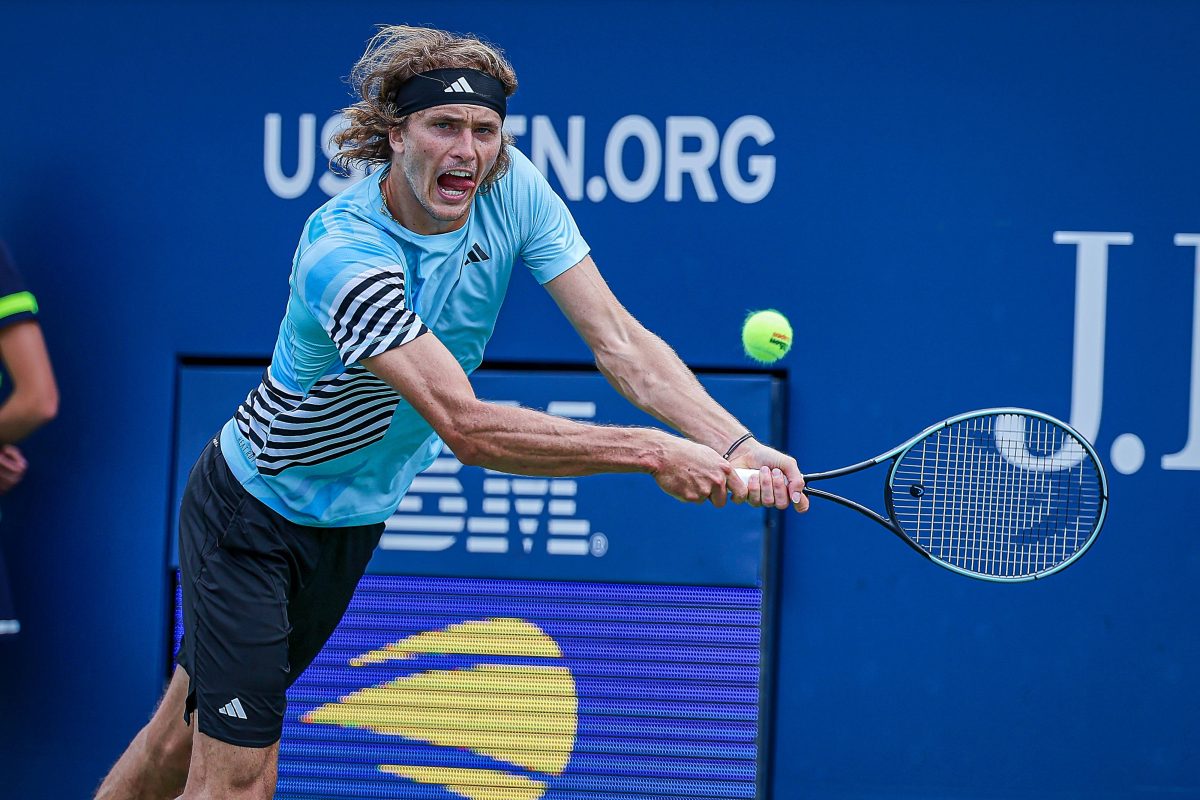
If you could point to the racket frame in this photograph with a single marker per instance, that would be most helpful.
(897, 454)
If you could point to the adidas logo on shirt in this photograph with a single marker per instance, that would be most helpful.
(459, 85)
(476, 255)
(233, 709)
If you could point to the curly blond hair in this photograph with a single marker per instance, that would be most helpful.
(394, 55)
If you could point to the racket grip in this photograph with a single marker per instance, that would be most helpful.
(745, 474)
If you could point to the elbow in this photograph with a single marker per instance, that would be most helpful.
(612, 355)
(624, 358)
(33, 409)
(42, 407)
(465, 447)
(46, 408)
(461, 436)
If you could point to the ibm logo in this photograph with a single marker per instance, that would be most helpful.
(438, 512)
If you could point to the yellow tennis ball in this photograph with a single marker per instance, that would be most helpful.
(766, 336)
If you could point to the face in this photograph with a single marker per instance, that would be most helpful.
(439, 157)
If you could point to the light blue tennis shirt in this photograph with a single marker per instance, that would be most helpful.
(322, 440)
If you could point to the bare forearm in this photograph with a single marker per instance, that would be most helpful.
(647, 372)
(523, 441)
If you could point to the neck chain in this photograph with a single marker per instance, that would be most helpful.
(383, 193)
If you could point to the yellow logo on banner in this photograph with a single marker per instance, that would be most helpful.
(524, 715)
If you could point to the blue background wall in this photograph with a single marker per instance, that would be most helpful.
(924, 156)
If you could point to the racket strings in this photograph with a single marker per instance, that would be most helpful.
(1003, 495)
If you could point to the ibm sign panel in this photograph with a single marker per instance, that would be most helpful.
(519, 638)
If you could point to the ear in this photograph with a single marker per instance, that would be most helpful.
(396, 139)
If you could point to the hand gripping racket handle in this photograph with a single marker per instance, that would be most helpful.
(745, 474)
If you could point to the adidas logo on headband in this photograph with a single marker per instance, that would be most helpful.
(459, 85)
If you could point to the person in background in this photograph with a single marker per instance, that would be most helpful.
(32, 400)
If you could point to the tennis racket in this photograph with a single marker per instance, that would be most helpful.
(1002, 494)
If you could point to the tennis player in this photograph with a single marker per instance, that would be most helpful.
(395, 289)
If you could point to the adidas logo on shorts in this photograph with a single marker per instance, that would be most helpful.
(233, 709)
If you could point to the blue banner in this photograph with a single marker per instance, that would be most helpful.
(439, 689)
(469, 521)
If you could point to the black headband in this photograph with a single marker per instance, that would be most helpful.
(440, 87)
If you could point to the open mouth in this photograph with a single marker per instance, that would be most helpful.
(455, 184)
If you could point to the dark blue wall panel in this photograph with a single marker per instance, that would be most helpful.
(931, 164)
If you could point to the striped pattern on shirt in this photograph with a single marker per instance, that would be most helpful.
(339, 415)
(368, 315)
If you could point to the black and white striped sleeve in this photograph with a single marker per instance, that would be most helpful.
(369, 315)
(362, 306)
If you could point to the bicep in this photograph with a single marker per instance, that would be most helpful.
(23, 350)
(358, 294)
(429, 379)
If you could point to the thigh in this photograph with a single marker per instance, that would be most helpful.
(235, 580)
(318, 604)
(206, 511)
(239, 645)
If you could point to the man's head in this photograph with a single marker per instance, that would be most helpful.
(431, 104)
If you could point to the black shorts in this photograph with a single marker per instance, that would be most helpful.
(261, 595)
